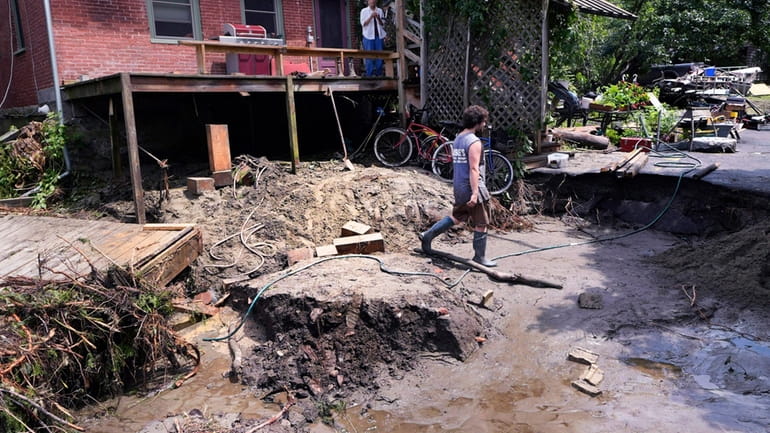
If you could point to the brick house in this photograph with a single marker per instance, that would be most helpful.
(94, 38)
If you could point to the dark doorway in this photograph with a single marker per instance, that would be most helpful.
(331, 29)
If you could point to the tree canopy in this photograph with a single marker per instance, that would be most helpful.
(591, 50)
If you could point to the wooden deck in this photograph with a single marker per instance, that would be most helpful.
(55, 248)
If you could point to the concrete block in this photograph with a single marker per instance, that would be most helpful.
(586, 388)
(582, 356)
(199, 185)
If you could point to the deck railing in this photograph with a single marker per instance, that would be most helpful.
(279, 52)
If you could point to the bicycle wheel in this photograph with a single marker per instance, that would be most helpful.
(441, 163)
(393, 147)
(499, 172)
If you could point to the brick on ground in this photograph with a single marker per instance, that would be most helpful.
(299, 254)
(199, 185)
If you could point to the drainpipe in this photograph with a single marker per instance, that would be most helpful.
(57, 91)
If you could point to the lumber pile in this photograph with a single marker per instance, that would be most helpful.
(629, 166)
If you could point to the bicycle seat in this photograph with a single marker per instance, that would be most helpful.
(450, 124)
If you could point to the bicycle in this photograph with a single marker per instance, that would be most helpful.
(498, 170)
(393, 146)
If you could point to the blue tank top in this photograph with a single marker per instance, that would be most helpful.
(462, 169)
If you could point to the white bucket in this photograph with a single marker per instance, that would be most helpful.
(557, 160)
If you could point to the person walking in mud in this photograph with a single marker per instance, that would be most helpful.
(470, 191)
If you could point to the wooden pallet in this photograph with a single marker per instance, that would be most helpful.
(55, 248)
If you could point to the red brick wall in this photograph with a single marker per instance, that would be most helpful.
(32, 67)
(97, 38)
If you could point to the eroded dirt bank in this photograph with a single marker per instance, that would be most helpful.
(362, 349)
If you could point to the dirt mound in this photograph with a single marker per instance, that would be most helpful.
(281, 211)
(339, 326)
(732, 266)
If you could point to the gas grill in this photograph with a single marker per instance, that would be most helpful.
(248, 34)
(248, 64)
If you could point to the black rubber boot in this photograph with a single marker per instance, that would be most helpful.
(480, 250)
(440, 227)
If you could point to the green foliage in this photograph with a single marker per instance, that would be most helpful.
(522, 146)
(20, 171)
(623, 95)
(151, 302)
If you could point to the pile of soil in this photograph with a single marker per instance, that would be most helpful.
(305, 210)
(340, 327)
(731, 267)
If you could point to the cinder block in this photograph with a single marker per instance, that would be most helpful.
(355, 228)
(299, 254)
(326, 251)
(362, 244)
(199, 185)
(223, 178)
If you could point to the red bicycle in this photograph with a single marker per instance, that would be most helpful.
(394, 146)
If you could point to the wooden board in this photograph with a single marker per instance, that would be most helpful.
(60, 248)
(219, 147)
(362, 244)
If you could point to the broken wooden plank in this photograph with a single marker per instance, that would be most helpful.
(173, 259)
(494, 274)
(622, 163)
(583, 356)
(175, 227)
(586, 387)
(219, 147)
(355, 228)
(361, 244)
(486, 299)
(635, 167)
(326, 251)
(223, 178)
(592, 374)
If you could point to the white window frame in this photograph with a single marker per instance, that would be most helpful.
(196, 23)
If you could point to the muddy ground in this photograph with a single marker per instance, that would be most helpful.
(681, 333)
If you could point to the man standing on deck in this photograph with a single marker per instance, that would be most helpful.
(470, 191)
(373, 30)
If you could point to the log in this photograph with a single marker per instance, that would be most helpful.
(494, 274)
(594, 141)
(703, 172)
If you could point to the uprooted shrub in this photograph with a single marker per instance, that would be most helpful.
(34, 159)
(66, 343)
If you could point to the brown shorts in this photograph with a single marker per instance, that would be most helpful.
(479, 216)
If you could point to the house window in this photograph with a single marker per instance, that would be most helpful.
(16, 16)
(266, 13)
(174, 19)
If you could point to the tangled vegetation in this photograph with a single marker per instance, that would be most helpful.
(66, 343)
(34, 159)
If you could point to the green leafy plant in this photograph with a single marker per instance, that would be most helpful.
(521, 146)
(624, 95)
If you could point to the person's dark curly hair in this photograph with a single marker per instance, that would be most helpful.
(474, 115)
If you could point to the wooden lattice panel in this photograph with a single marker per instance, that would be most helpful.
(510, 87)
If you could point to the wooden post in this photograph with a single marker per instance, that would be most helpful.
(423, 58)
(279, 63)
(219, 148)
(544, 75)
(291, 115)
(401, 62)
(201, 57)
(133, 146)
(117, 166)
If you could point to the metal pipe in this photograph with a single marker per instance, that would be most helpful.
(57, 92)
(54, 64)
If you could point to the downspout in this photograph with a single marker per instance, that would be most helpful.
(57, 91)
